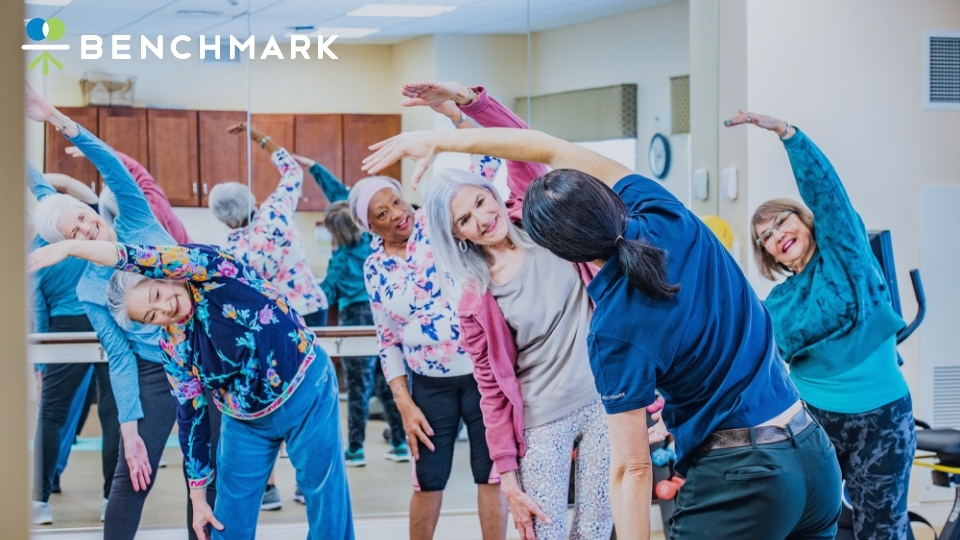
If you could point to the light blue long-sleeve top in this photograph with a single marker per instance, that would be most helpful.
(833, 322)
(55, 288)
(136, 224)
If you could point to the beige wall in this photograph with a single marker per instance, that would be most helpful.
(644, 47)
(14, 498)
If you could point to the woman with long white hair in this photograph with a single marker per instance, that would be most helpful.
(524, 315)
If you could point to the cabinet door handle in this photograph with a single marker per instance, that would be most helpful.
(204, 188)
(194, 188)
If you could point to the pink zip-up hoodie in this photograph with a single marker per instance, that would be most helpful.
(484, 333)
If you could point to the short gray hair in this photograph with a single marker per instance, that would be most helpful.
(119, 287)
(231, 203)
(339, 221)
(470, 267)
(357, 189)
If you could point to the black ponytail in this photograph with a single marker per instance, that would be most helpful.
(579, 219)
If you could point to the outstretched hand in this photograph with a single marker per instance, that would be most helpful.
(36, 107)
(657, 432)
(420, 146)
(237, 128)
(303, 161)
(73, 151)
(430, 94)
(47, 255)
(760, 120)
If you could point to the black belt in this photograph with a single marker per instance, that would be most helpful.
(734, 438)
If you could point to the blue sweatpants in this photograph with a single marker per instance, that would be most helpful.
(309, 422)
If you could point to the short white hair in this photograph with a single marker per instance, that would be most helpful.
(121, 283)
(357, 189)
(47, 215)
(232, 203)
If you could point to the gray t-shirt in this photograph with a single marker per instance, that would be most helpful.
(548, 311)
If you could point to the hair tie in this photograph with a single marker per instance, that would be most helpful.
(617, 241)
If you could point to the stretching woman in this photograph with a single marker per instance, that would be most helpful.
(146, 410)
(675, 313)
(58, 309)
(230, 331)
(266, 237)
(418, 328)
(344, 285)
(836, 328)
(524, 314)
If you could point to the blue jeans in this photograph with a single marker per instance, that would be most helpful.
(309, 422)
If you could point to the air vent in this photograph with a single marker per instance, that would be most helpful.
(679, 105)
(198, 13)
(946, 397)
(941, 69)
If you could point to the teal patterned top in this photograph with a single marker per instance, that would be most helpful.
(831, 316)
(242, 341)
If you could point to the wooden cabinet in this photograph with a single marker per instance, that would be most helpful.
(173, 154)
(56, 158)
(223, 157)
(189, 152)
(359, 132)
(320, 138)
(265, 177)
(125, 129)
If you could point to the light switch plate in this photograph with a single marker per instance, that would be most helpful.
(729, 183)
(701, 184)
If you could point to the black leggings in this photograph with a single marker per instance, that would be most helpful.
(159, 413)
(60, 384)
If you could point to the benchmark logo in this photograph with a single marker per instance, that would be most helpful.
(50, 30)
(91, 47)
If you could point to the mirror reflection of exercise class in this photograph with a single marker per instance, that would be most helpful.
(243, 126)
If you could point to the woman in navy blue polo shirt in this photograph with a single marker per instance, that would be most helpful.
(675, 313)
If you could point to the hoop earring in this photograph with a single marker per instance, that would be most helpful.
(463, 245)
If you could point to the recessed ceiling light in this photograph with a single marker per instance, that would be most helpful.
(399, 10)
(47, 2)
(342, 33)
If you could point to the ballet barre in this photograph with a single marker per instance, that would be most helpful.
(84, 347)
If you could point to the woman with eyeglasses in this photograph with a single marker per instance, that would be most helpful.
(835, 327)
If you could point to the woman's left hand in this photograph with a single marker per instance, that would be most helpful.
(420, 146)
(760, 120)
(237, 128)
(48, 255)
(36, 107)
(522, 507)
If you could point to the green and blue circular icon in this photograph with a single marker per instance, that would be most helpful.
(40, 29)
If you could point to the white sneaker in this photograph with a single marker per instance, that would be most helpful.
(103, 510)
(41, 514)
(163, 462)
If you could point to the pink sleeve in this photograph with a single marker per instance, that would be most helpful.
(497, 409)
(156, 198)
(489, 112)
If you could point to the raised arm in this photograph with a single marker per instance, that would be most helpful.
(38, 184)
(287, 194)
(73, 187)
(820, 186)
(488, 113)
(333, 189)
(156, 198)
(514, 144)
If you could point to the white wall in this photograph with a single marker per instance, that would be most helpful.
(644, 47)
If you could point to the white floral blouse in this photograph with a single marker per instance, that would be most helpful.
(414, 320)
(271, 245)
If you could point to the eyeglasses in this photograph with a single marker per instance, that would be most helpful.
(777, 223)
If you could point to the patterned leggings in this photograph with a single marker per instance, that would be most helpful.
(875, 450)
(545, 474)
